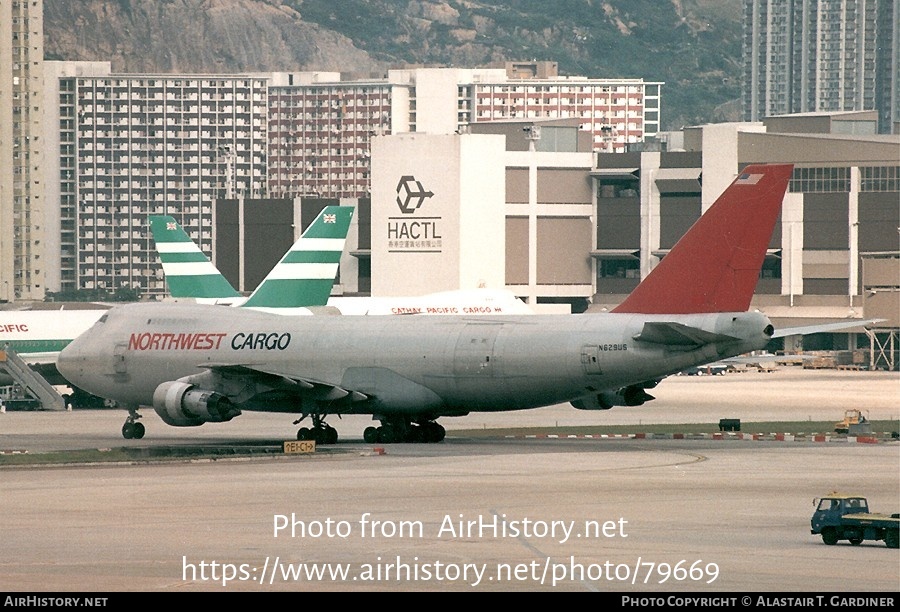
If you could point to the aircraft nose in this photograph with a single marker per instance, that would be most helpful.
(64, 361)
(68, 361)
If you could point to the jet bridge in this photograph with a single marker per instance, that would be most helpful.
(30, 380)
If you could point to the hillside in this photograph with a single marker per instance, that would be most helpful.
(691, 45)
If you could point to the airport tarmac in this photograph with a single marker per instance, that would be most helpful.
(787, 394)
(494, 514)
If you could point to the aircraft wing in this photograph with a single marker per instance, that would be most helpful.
(678, 335)
(824, 327)
(313, 389)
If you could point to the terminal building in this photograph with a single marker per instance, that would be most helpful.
(835, 254)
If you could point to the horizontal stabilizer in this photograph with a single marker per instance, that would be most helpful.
(678, 334)
(824, 328)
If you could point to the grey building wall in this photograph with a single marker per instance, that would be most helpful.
(252, 235)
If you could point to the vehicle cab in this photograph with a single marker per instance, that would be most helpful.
(830, 509)
(827, 519)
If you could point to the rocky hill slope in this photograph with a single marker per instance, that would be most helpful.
(691, 45)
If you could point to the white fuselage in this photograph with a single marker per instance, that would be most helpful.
(431, 366)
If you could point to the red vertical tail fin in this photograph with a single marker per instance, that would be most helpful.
(715, 266)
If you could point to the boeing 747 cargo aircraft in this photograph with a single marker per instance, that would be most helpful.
(196, 364)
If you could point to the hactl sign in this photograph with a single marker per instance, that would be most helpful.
(419, 235)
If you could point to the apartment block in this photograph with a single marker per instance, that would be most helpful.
(123, 146)
(617, 112)
(805, 56)
(134, 145)
(23, 261)
(319, 133)
(321, 124)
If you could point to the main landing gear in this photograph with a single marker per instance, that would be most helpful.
(321, 432)
(132, 430)
(401, 430)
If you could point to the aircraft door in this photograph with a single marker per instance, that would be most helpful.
(590, 359)
(119, 366)
(474, 354)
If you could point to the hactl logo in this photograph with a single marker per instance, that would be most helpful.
(411, 194)
(419, 235)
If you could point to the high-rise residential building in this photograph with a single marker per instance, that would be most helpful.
(140, 144)
(805, 56)
(22, 259)
(86, 154)
(319, 132)
(320, 126)
(617, 112)
(887, 66)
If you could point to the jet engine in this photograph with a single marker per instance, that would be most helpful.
(633, 395)
(182, 405)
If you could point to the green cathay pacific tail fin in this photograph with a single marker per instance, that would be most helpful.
(306, 274)
(189, 273)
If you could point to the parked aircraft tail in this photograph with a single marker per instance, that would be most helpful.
(189, 272)
(305, 275)
(715, 266)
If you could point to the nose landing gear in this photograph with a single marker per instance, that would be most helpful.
(132, 430)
